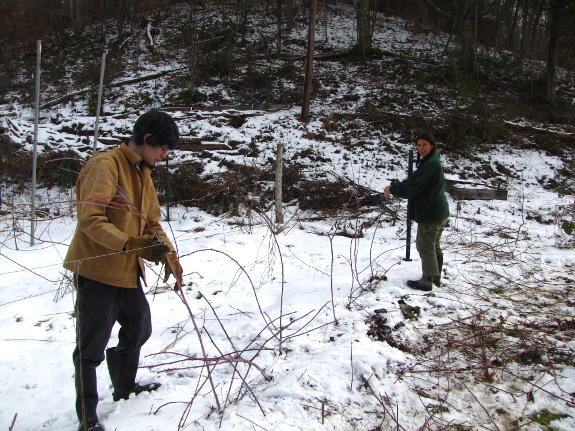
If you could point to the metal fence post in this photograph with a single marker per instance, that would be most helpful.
(279, 174)
(409, 204)
(168, 189)
(35, 152)
(99, 105)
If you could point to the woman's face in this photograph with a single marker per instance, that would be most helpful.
(424, 147)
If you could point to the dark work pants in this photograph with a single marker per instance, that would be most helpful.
(98, 307)
(428, 244)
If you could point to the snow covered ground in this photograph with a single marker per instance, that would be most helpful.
(287, 317)
(322, 370)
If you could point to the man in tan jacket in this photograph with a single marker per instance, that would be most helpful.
(118, 226)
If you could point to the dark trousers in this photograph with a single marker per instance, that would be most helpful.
(98, 307)
(428, 244)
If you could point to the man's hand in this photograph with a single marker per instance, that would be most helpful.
(172, 267)
(147, 247)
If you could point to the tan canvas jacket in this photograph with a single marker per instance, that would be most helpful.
(116, 199)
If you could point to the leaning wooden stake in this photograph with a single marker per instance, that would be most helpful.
(13, 422)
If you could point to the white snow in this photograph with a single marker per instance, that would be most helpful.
(296, 304)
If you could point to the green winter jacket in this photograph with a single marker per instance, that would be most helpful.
(426, 188)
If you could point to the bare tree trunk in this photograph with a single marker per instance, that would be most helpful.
(364, 25)
(514, 11)
(523, 37)
(554, 33)
(468, 59)
(536, 22)
(532, 13)
(125, 8)
(279, 20)
(121, 18)
(309, 63)
(244, 15)
(290, 14)
(77, 8)
(52, 14)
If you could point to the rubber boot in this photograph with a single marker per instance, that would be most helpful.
(87, 399)
(95, 427)
(123, 367)
(424, 283)
(437, 278)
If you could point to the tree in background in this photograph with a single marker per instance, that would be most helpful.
(309, 62)
(77, 15)
(125, 12)
(532, 29)
(468, 37)
(561, 24)
(365, 12)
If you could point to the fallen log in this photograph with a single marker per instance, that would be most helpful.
(225, 109)
(202, 146)
(351, 53)
(187, 143)
(564, 136)
(109, 141)
(465, 190)
(113, 84)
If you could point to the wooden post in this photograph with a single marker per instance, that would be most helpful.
(309, 63)
(279, 173)
(35, 152)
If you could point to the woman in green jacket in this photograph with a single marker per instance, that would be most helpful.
(426, 189)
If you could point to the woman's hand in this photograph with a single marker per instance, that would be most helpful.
(387, 190)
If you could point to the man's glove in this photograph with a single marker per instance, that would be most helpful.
(172, 267)
(147, 247)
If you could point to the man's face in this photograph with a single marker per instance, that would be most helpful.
(153, 155)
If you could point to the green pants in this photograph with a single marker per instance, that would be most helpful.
(428, 246)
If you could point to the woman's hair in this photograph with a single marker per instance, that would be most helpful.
(161, 126)
(426, 136)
